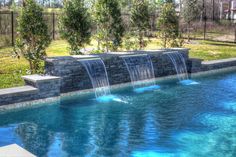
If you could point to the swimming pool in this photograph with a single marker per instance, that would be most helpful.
(174, 120)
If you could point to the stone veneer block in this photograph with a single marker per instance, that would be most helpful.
(14, 150)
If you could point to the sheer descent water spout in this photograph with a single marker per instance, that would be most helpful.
(141, 72)
(96, 70)
(179, 63)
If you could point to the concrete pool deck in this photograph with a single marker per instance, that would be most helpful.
(14, 150)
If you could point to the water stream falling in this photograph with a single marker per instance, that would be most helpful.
(141, 72)
(96, 70)
(179, 64)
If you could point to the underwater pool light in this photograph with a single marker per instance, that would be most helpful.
(147, 88)
(188, 82)
(109, 98)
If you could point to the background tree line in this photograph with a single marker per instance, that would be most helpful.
(79, 17)
(76, 27)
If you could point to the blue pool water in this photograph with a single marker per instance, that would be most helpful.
(174, 121)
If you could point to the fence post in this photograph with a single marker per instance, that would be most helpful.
(205, 27)
(234, 32)
(12, 28)
(205, 19)
(53, 26)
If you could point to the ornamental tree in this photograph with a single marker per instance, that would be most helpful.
(168, 27)
(32, 35)
(110, 29)
(191, 10)
(75, 25)
(140, 20)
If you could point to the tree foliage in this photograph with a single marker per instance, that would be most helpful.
(191, 10)
(110, 29)
(140, 20)
(32, 35)
(168, 27)
(75, 25)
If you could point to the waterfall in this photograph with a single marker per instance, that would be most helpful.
(96, 70)
(179, 63)
(141, 72)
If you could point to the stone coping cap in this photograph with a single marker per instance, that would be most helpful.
(196, 59)
(219, 61)
(40, 78)
(16, 90)
(112, 54)
(14, 150)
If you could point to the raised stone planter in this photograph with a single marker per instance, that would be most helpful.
(74, 76)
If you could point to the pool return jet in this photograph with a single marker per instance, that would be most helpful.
(141, 72)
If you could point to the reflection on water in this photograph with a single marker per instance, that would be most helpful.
(56, 148)
(174, 121)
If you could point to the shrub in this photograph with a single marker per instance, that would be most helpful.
(130, 42)
(191, 11)
(168, 27)
(110, 29)
(75, 25)
(32, 35)
(140, 20)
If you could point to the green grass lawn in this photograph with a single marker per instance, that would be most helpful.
(12, 69)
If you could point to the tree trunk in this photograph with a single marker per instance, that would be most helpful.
(140, 40)
(205, 20)
(107, 49)
(205, 27)
(213, 10)
(23, 3)
(31, 67)
(98, 42)
(165, 40)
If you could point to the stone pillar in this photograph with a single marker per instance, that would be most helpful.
(48, 86)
